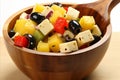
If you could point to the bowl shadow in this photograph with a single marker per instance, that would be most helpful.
(16, 75)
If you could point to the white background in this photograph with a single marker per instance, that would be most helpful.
(8, 7)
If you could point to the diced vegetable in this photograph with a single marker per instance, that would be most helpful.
(47, 12)
(66, 8)
(38, 36)
(59, 9)
(69, 36)
(38, 8)
(54, 42)
(21, 41)
(29, 27)
(84, 46)
(19, 25)
(60, 25)
(43, 47)
(24, 26)
(87, 22)
(54, 16)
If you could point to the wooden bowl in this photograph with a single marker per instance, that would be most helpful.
(73, 66)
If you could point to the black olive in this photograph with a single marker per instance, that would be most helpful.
(68, 38)
(37, 17)
(74, 27)
(11, 33)
(96, 39)
(31, 40)
(56, 3)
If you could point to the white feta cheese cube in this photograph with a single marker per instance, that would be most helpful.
(72, 14)
(84, 37)
(68, 46)
(47, 11)
(23, 15)
(96, 31)
(45, 27)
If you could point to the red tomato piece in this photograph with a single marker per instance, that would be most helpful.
(66, 8)
(84, 46)
(60, 25)
(21, 41)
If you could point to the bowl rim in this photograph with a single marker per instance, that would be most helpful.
(6, 37)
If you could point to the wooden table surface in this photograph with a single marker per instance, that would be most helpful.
(108, 69)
